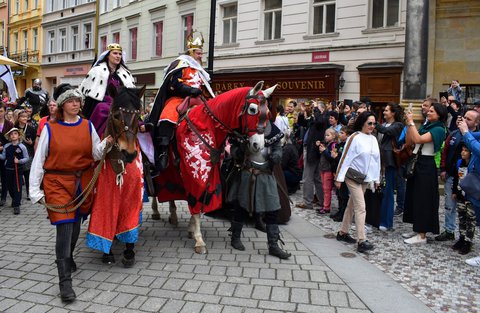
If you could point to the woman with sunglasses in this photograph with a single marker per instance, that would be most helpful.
(422, 195)
(360, 157)
(107, 75)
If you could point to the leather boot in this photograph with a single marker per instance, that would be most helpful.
(129, 255)
(259, 223)
(273, 236)
(236, 235)
(161, 160)
(65, 280)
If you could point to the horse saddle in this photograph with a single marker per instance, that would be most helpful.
(187, 103)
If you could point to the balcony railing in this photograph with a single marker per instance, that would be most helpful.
(26, 56)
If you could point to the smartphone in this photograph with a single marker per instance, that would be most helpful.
(410, 107)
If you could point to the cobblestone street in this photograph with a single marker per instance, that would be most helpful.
(322, 275)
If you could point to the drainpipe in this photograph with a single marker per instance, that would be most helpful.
(211, 35)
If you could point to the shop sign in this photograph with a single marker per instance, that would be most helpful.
(290, 85)
(76, 70)
(321, 56)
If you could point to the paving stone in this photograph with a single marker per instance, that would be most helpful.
(299, 295)
(173, 306)
(9, 293)
(225, 289)
(241, 302)
(101, 308)
(208, 287)
(192, 307)
(354, 301)
(39, 308)
(6, 303)
(122, 301)
(243, 291)
(35, 297)
(212, 308)
(308, 308)
(22, 306)
(261, 292)
(277, 306)
(319, 297)
(137, 302)
(338, 298)
(153, 304)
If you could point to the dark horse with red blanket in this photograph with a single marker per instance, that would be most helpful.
(200, 138)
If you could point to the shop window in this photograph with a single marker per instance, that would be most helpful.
(272, 16)
(229, 24)
(385, 13)
(323, 16)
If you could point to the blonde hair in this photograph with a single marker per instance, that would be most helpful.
(333, 132)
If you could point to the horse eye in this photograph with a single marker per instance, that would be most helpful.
(253, 109)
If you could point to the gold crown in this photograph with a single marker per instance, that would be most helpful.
(114, 46)
(195, 43)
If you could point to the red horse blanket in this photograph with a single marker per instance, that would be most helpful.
(116, 210)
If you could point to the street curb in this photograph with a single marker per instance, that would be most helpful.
(379, 292)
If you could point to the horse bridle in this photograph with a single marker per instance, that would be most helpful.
(125, 128)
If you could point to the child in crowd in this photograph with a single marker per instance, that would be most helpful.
(15, 156)
(327, 167)
(342, 193)
(466, 212)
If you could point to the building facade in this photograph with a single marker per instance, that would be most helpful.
(331, 50)
(25, 40)
(152, 33)
(69, 41)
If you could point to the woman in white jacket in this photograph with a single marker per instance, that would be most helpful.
(362, 157)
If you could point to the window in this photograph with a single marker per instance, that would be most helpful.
(116, 37)
(385, 13)
(51, 41)
(17, 7)
(50, 5)
(63, 39)
(116, 4)
(187, 22)
(35, 4)
(323, 16)
(230, 24)
(103, 43)
(15, 43)
(103, 6)
(25, 40)
(87, 33)
(25, 5)
(64, 4)
(158, 31)
(74, 31)
(273, 19)
(35, 39)
(133, 43)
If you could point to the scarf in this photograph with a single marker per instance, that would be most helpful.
(438, 131)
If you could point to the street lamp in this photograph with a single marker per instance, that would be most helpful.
(341, 82)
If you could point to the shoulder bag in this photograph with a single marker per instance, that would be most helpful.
(412, 163)
(351, 173)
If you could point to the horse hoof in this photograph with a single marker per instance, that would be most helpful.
(201, 250)
(155, 216)
(190, 235)
(174, 221)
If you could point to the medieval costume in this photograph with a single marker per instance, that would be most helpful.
(100, 84)
(183, 78)
(36, 97)
(254, 188)
(62, 167)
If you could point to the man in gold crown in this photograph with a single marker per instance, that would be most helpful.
(182, 78)
(109, 72)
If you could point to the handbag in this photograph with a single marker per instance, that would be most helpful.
(401, 155)
(412, 163)
(471, 185)
(373, 205)
(355, 175)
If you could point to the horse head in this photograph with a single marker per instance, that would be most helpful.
(123, 121)
(257, 114)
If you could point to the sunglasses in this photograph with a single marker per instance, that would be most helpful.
(372, 123)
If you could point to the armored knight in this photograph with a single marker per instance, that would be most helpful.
(254, 188)
(36, 97)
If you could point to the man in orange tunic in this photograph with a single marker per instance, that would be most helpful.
(182, 78)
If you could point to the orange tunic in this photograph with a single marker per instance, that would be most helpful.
(70, 151)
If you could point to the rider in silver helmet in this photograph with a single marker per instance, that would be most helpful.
(36, 97)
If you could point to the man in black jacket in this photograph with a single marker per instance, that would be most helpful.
(315, 121)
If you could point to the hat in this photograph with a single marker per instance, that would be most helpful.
(61, 89)
(67, 95)
(13, 129)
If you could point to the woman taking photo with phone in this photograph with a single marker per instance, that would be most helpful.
(422, 195)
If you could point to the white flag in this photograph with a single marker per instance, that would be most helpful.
(7, 76)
